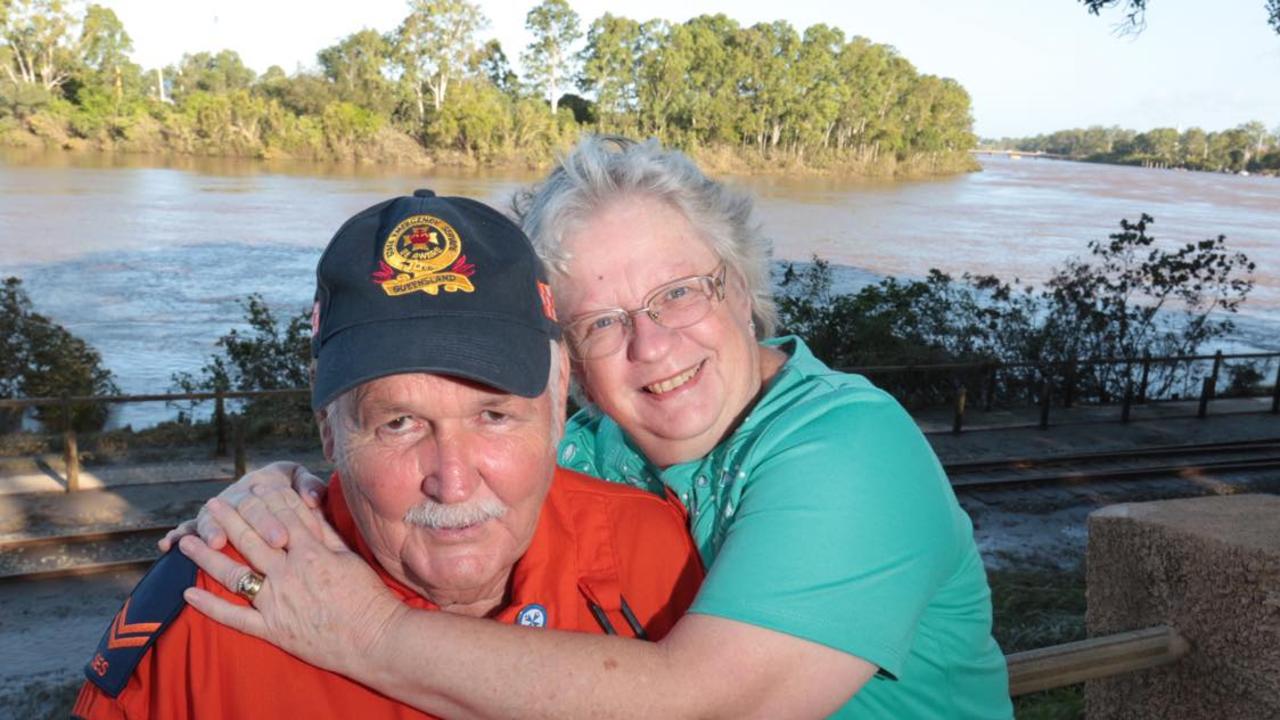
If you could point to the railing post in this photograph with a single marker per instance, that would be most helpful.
(1206, 392)
(1217, 368)
(958, 421)
(220, 424)
(1128, 401)
(1146, 372)
(237, 435)
(70, 453)
(991, 389)
(1045, 395)
(1069, 389)
(1275, 393)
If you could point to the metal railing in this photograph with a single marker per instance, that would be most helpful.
(1062, 378)
(230, 429)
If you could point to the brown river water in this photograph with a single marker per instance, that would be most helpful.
(147, 258)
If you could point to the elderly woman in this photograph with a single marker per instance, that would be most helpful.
(842, 575)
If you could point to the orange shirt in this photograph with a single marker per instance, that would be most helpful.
(596, 544)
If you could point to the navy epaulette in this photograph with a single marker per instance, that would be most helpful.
(150, 608)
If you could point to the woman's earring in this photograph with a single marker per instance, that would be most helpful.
(752, 326)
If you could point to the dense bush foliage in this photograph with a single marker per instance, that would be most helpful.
(40, 358)
(268, 356)
(1125, 298)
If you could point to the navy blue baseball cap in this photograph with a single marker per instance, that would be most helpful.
(442, 285)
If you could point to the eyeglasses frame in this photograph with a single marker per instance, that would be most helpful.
(716, 277)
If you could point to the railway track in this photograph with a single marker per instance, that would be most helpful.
(1174, 461)
(85, 554)
(60, 556)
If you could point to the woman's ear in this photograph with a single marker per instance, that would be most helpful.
(739, 296)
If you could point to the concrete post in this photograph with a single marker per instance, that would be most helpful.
(1209, 567)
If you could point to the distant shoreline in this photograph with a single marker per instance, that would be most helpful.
(393, 148)
(1017, 155)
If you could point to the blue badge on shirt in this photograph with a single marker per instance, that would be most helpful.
(532, 615)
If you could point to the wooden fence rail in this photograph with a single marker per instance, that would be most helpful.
(1071, 663)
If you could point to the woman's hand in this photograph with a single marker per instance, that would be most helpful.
(319, 600)
(240, 496)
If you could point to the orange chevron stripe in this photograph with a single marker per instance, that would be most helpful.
(120, 629)
(136, 627)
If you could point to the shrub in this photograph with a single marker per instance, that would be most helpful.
(1124, 299)
(267, 357)
(40, 358)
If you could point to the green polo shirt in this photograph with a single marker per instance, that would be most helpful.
(826, 515)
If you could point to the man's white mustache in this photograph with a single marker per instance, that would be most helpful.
(441, 516)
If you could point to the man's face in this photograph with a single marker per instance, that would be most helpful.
(445, 479)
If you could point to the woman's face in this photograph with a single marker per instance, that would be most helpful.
(676, 392)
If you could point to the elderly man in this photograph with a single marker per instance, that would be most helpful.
(440, 393)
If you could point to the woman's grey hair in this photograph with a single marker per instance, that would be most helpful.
(601, 169)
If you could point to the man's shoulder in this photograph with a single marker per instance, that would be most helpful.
(574, 487)
(151, 608)
(636, 521)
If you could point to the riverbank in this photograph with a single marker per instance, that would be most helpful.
(384, 145)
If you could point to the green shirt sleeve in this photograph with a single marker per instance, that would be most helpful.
(843, 531)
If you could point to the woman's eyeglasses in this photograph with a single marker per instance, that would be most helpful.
(677, 304)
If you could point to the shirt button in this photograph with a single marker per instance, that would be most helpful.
(684, 498)
(702, 481)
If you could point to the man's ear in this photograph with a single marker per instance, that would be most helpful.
(326, 434)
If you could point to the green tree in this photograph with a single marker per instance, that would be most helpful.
(303, 93)
(40, 42)
(1256, 134)
(771, 92)
(609, 63)
(432, 47)
(1158, 145)
(548, 60)
(1193, 147)
(40, 358)
(491, 62)
(711, 113)
(206, 72)
(357, 66)
(105, 48)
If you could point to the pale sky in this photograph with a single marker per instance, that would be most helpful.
(1031, 66)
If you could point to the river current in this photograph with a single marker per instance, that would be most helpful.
(146, 259)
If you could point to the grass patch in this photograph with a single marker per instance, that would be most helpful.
(1034, 608)
(1065, 703)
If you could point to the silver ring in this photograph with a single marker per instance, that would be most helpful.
(249, 585)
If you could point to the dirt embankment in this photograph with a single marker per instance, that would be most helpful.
(391, 146)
